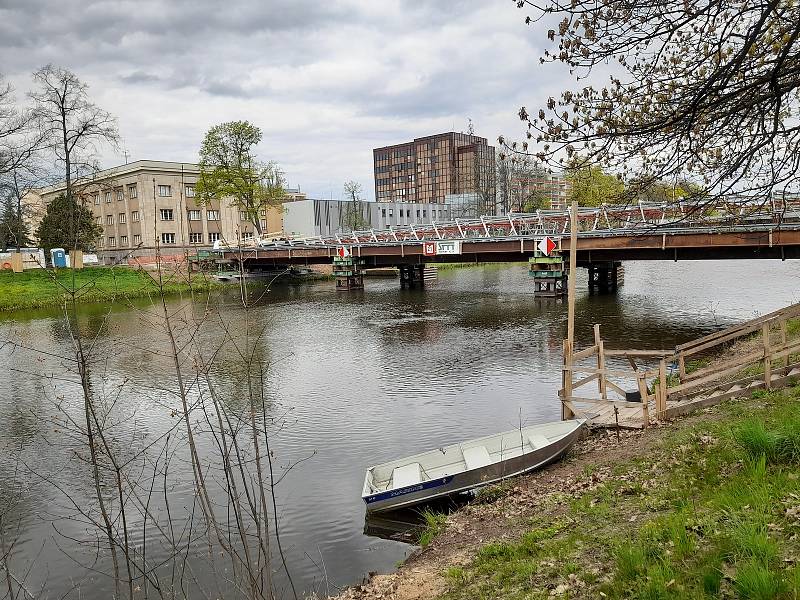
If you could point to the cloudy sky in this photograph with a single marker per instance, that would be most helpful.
(326, 81)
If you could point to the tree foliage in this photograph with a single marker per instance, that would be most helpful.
(589, 185)
(14, 231)
(230, 169)
(68, 224)
(705, 91)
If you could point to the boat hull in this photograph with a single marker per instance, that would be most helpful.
(472, 479)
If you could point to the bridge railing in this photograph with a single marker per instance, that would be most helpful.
(641, 217)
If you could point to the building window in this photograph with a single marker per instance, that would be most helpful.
(97, 199)
(132, 193)
(112, 242)
(165, 191)
(194, 215)
(212, 215)
(418, 213)
(213, 237)
(121, 218)
(123, 240)
(120, 194)
(108, 197)
(167, 238)
(137, 239)
(424, 212)
(243, 216)
(109, 219)
(195, 238)
(383, 213)
(391, 212)
(190, 191)
(98, 220)
(166, 214)
(135, 216)
(247, 235)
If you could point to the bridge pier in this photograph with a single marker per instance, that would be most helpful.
(606, 276)
(349, 273)
(416, 276)
(549, 275)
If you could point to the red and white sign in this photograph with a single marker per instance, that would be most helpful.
(439, 248)
(343, 251)
(546, 246)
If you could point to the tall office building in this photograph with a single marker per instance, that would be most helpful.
(430, 168)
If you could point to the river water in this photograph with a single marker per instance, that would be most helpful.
(358, 379)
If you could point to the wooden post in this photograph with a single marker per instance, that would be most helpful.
(661, 405)
(783, 342)
(645, 399)
(566, 383)
(569, 345)
(601, 363)
(767, 357)
(681, 366)
(573, 266)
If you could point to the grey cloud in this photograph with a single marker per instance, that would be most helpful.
(459, 58)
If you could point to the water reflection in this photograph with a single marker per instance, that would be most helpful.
(358, 379)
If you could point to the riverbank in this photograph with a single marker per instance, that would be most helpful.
(708, 506)
(39, 288)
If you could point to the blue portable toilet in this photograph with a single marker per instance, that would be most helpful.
(58, 257)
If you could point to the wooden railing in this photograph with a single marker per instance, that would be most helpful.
(671, 379)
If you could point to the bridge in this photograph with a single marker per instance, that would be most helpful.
(606, 236)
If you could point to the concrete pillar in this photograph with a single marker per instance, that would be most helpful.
(415, 276)
(606, 276)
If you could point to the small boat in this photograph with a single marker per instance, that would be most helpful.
(467, 465)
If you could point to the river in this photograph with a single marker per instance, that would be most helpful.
(356, 378)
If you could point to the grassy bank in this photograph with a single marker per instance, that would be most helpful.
(39, 288)
(712, 512)
(705, 507)
(466, 265)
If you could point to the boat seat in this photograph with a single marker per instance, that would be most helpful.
(476, 457)
(406, 475)
(537, 440)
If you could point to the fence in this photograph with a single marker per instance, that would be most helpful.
(662, 384)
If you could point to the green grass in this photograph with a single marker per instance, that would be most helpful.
(38, 288)
(466, 265)
(712, 512)
(435, 523)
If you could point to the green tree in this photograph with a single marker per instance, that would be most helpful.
(14, 231)
(68, 224)
(230, 169)
(591, 186)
